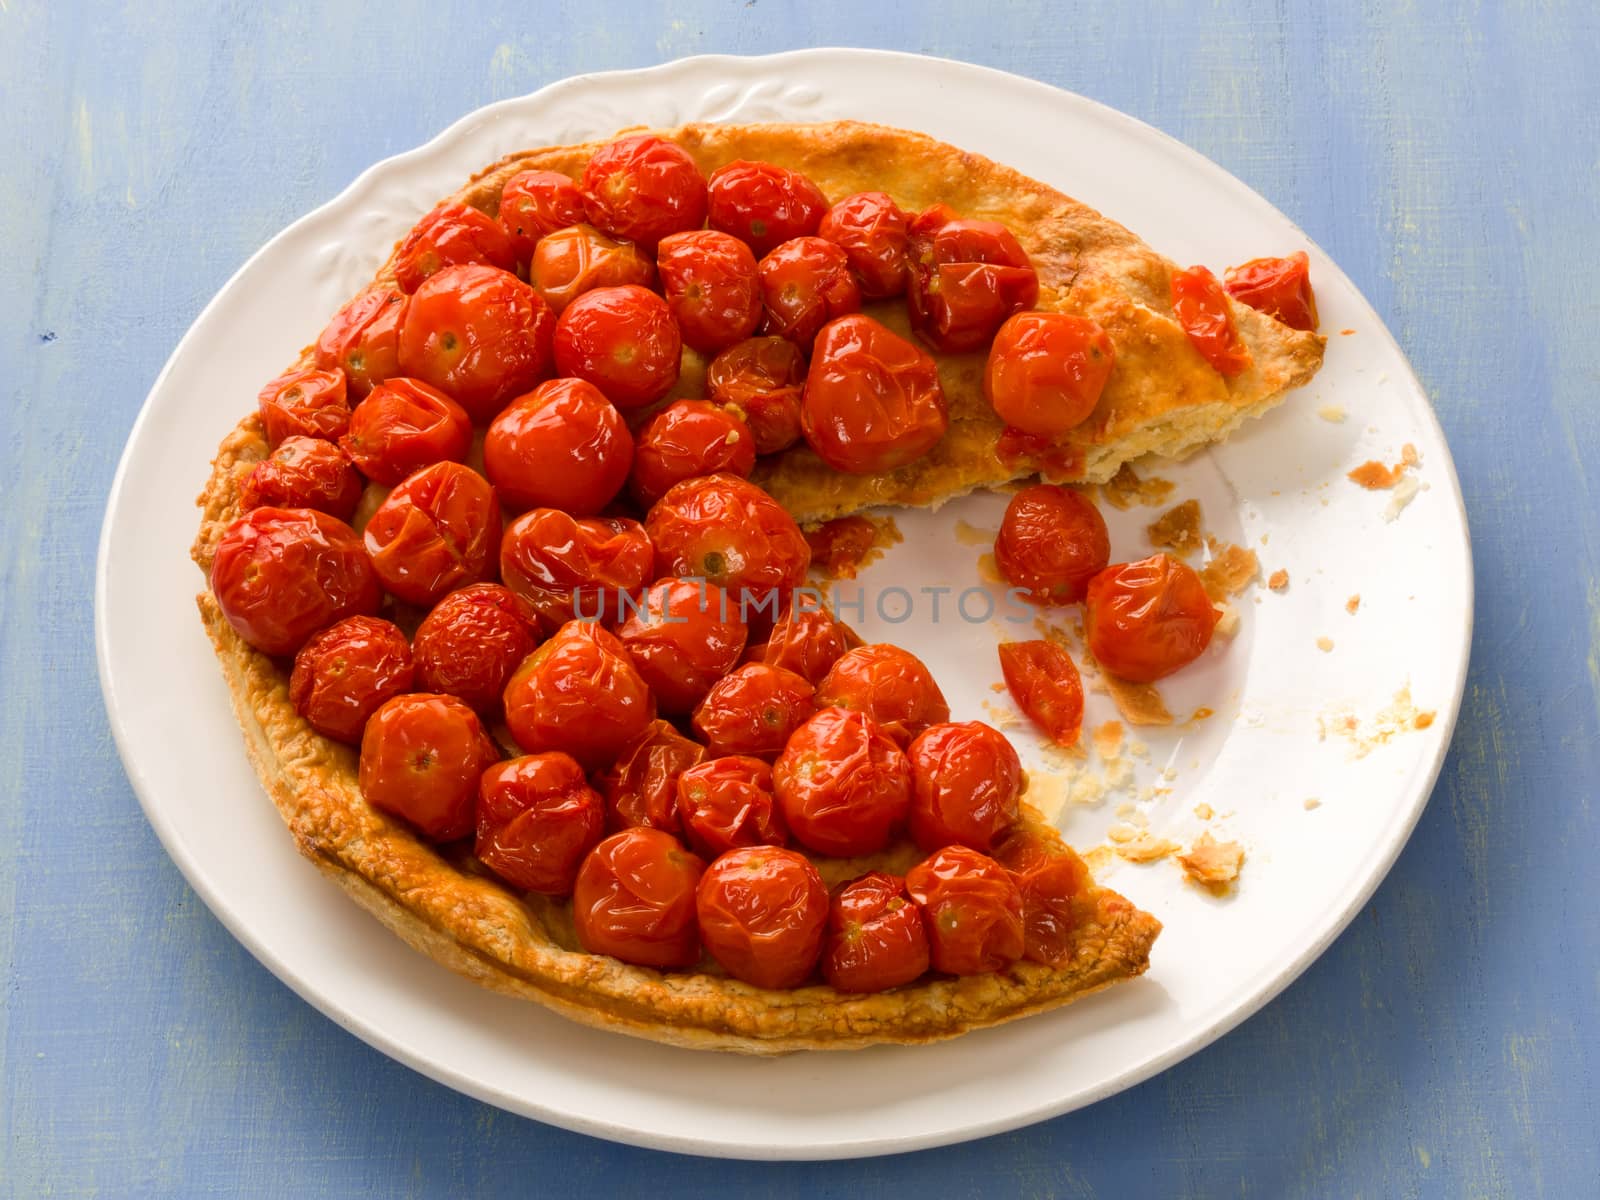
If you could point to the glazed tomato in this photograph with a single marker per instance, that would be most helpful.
(534, 204)
(1052, 541)
(1279, 287)
(875, 940)
(1201, 308)
(281, 574)
(342, 674)
(565, 567)
(563, 445)
(309, 403)
(762, 910)
(472, 641)
(892, 686)
(1051, 879)
(538, 818)
(452, 234)
(808, 640)
(753, 711)
(843, 785)
(871, 229)
(624, 341)
(1143, 620)
(683, 637)
(710, 283)
(685, 439)
(402, 426)
(634, 899)
(805, 283)
(304, 473)
(967, 277)
(478, 333)
(438, 530)
(1044, 682)
(729, 532)
(1046, 371)
(971, 909)
(579, 259)
(840, 546)
(363, 339)
(579, 692)
(728, 802)
(763, 205)
(643, 188)
(872, 400)
(965, 780)
(641, 786)
(760, 380)
(421, 758)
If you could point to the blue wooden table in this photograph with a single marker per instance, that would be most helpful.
(1445, 1046)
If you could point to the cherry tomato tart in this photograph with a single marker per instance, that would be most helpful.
(753, 711)
(304, 472)
(402, 426)
(967, 277)
(471, 642)
(1046, 371)
(624, 341)
(345, 672)
(1201, 307)
(438, 530)
(709, 280)
(1144, 620)
(563, 445)
(363, 339)
(634, 899)
(579, 259)
(567, 567)
(685, 439)
(537, 820)
(309, 403)
(760, 379)
(534, 204)
(843, 785)
(805, 283)
(452, 234)
(972, 911)
(762, 204)
(422, 756)
(875, 940)
(684, 637)
(1052, 541)
(580, 693)
(965, 780)
(1044, 681)
(726, 803)
(892, 686)
(641, 786)
(872, 230)
(729, 532)
(1279, 287)
(762, 911)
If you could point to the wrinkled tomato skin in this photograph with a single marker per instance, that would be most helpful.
(1279, 287)
(567, 567)
(762, 911)
(808, 641)
(344, 673)
(684, 636)
(579, 259)
(843, 786)
(965, 779)
(1052, 880)
(304, 473)
(1046, 371)
(726, 803)
(641, 786)
(580, 693)
(872, 400)
(533, 205)
(402, 426)
(281, 574)
(709, 280)
(363, 339)
(871, 229)
(805, 283)
(1052, 541)
(308, 403)
(643, 188)
(731, 533)
(624, 341)
(760, 379)
(762, 204)
(471, 642)
(1044, 681)
(421, 758)
(451, 235)
(1201, 308)
(685, 439)
(1144, 620)
(537, 820)
(971, 909)
(437, 531)
(875, 940)
(967, 277)
(563, 445)
(892, 686)
(753, 711)
(634, 899)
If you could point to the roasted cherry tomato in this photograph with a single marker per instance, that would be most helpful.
(472, 641)
(1046, 371)
(579, 692)
(872, 400)
(309, 403)
(1201, 308)
(643, 188)
(1143, 620)
(304, 472)
(875, 940)
(965, 780)
(685, 439)
(1052, 880)
(729, 532)
(728, 802)
(1052, 541)
(478, 333)
(1044, 682)
(763, 205)
(967, 277)
(565, 567)
(421, 758)
(624, 341)
(563, 445)
(1279, 287)
(281, 574)
(760, 380)
(683, 637)
(363, 339)
(578, 259)
(634, 899)
(807, 640)
(843, 785)
(871, 230)
(892, 686)
(538, 818)
(438, 530)
(971, 909)
(342, 674)
(805, 283)
(534, 204)
(641, 786)
(840, 546)
(452, 234)
(762, 910)
(710, 283)
(753, 711)
(402, 426)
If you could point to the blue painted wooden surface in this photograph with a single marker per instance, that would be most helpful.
(1445, 154)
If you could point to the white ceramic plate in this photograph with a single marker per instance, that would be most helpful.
(1278, 486)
